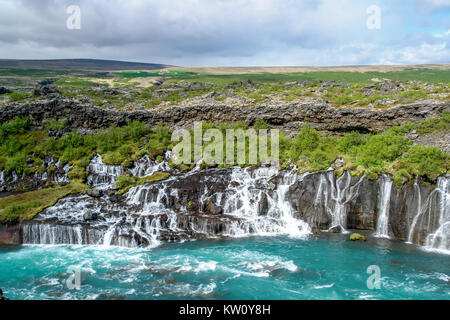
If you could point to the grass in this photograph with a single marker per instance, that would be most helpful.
(442, 76)
(18, 96)
(24, 206)
(264, 85)
(126, 183)
(144, 74)
(78, 83)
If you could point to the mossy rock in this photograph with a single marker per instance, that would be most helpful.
(357, 237)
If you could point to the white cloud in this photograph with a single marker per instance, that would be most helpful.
(222, 32)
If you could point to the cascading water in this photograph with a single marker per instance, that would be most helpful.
(53, 171)
(146, 167)
(440, 239)
(335, 195)
(431, 225)
(419, 211)
(384, 206)
(228, 202)
(245, 199)
(102, 176)
(253, 202)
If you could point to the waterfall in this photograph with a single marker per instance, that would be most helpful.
(2, 177)
(15, 176)
(431, 224)
(293, 226)
(342, 192)
(440, 239)
(223, 202)
(384, 206)
(419, 211)
(102, 176)
(250, 202)
(146, 167)
(246, 200)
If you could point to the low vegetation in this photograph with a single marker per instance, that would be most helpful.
(131, 90)
(125, 183)
(22, 149)
(25, 206)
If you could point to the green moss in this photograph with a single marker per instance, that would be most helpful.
(357, 237)
(127, 184)
(25, 206)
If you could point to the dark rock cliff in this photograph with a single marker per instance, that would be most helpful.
(289, 116)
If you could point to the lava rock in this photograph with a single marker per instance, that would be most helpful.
(335, 229)
(3, 90)
(46, 91)
(94, 193)
(217, 210)
(90, 216)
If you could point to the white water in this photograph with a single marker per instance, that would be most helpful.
(102, 176)
(146, 167)
(419, 211)
(384, 206)
(335, 195)
(245, 200)
(440, 239)
(251, 202)
(249, 208)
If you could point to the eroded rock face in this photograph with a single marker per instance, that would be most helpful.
(10, 234)
(289, 116)
(237, 202)
(55, 173)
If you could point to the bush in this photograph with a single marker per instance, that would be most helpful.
(305, 142)
(425, 161)
(18, 96)
(16, 126)
(55, 125)
(400, 177)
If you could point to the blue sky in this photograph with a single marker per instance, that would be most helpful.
(229, 32)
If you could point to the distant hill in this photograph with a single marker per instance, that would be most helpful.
(78, 64)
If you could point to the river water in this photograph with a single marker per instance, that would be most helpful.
(324, 267)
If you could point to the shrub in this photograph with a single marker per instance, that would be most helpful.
(55, 125)
(400, 177)
(18, 96)
(425, 161)
(305, 142)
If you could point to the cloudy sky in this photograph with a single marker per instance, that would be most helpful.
(229, 32)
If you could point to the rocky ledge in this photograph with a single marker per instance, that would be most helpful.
(289, 116)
